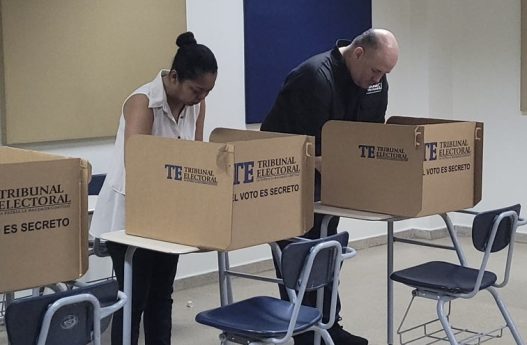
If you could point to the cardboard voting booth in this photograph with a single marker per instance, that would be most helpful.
(406, 167)
(43, 218)
(243, 188)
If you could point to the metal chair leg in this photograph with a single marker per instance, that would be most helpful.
(325, 335)
(506, 315)
(444, 321)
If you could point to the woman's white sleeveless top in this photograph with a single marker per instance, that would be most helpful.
(109, 211)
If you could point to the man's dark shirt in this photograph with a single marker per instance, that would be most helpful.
(319, 90)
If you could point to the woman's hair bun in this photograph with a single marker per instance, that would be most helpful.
(186, 39)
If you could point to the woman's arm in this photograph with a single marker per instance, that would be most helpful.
(198, 135)
(138, 117)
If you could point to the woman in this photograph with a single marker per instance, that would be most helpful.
(172, 105)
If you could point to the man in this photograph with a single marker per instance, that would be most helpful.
(346, 83)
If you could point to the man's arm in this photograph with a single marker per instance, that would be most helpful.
(309, 103)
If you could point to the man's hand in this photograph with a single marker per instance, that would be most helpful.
(318, 164)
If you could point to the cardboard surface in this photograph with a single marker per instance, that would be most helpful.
(407, 167)
(43, 219)
(245, 188)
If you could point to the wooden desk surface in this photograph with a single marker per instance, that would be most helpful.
(147, 243)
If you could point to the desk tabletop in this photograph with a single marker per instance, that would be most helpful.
(355, 214)
(146, 243)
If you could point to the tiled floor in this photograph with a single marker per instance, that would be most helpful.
(363, 295)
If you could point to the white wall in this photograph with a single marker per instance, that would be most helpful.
(459, 59)
(219, 25)
(486, 86)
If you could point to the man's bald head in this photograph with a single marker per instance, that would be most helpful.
(370, 56)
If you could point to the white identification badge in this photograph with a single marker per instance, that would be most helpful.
(375, 88)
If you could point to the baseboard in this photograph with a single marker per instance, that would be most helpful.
(358, 244)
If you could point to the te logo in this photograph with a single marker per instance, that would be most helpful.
(367, 151)
(173, 172)
(243, 170)
(431, 151)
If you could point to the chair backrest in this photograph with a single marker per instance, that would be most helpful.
(95, 185)
(483, 224)
(71, 324)
(294, 258)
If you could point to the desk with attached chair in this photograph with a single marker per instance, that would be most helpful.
(306, 265)
(330, 212)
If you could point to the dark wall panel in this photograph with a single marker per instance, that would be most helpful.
(279, 34)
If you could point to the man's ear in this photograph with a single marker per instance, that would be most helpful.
(358, 52)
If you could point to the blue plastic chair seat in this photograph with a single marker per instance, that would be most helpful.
(443, 276)
(261, 317)
(95, 185)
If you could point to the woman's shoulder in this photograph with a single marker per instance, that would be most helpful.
(134, 102)
(137, 99)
